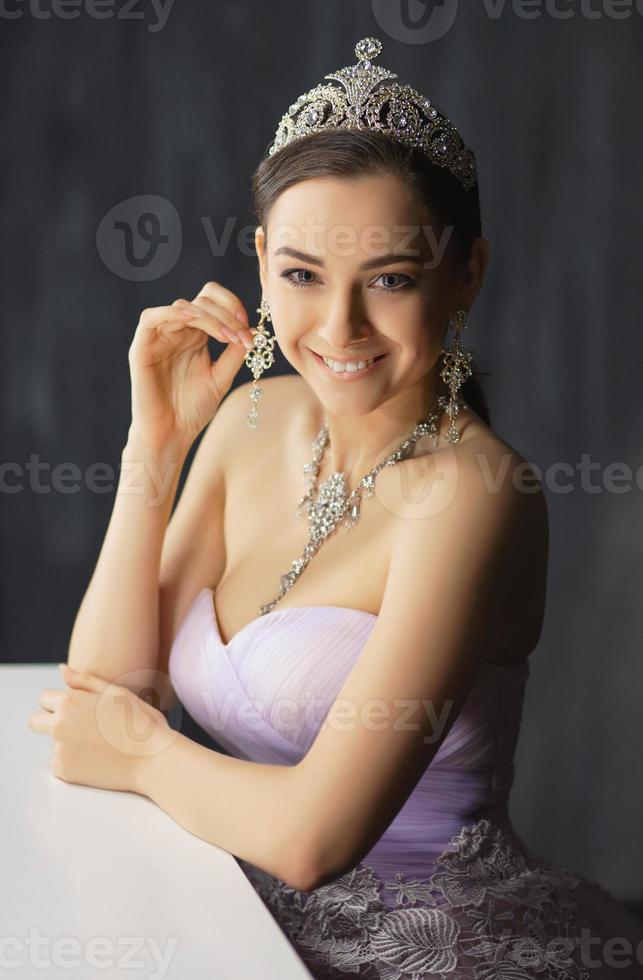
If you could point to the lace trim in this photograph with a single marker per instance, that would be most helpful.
(505, 915)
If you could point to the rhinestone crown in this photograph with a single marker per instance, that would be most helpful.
(368, 99)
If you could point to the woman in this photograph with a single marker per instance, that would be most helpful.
(369, 712)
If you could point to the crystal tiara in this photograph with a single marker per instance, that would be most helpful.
(369, 100)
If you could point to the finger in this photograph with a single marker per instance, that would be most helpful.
(162, 322)
(238, 332)
(50, 699)
(225, 297)
(187, 310)
(41, 721)
(83, 679)
(165, 321)
(154, 316)
(220, 318)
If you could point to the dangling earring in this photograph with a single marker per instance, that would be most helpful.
(259, 358)
(455, 371)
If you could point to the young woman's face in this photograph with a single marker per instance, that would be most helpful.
(334, 290)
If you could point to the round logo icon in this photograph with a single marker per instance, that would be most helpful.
(415, 21)
(140, 238)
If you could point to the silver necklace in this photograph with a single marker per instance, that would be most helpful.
(328, 510)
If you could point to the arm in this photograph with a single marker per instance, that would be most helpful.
(311, 821)
(151, 566)
(117, 625)
(249, 809)
(444, 591)
(176, 392)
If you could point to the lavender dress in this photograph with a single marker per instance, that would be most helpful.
(449, 890)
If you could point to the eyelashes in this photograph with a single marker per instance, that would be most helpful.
(298, 284)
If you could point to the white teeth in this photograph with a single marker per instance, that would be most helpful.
(341, 366)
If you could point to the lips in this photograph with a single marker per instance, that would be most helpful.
(344, 377)
(377, 357)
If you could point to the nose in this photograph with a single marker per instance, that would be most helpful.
(345, 326)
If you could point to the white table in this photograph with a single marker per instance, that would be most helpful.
(95, 881)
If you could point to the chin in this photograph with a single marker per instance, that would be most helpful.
(348, 405)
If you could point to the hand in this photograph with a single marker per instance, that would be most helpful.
(102, 732)
(176, 386)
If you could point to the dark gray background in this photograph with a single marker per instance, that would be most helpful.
(96, 112)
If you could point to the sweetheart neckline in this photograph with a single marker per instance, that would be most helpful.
(275, 612)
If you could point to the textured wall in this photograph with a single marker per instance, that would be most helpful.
(180, 103)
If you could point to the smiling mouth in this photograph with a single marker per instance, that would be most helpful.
(346, 375)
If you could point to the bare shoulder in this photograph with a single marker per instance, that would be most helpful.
(284, 406)
(498, 471)
(278, 393)
(471, 521)
(483, 473)
(496, 464)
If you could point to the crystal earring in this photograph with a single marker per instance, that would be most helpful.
(455, 371)
(259, 358)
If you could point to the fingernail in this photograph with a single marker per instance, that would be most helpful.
(188, 313)
(230, 334)
(247, 338)
(241, 316)
(60, 666)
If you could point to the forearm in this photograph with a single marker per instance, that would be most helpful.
(248, 809)
(116, 630)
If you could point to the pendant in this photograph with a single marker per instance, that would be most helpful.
(326, 512)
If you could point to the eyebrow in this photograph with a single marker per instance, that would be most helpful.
(369, 264)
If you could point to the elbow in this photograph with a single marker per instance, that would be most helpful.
(302, 879)
(300, 865)
(311, 865)
(314, 874)
(317, 847)
(300, 869)
(308, 876)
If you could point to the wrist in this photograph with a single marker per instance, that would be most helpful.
(140, 447)
(150, 771)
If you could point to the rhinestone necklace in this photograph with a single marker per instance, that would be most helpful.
(333, 500)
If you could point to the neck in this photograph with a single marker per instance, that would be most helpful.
(357, 443)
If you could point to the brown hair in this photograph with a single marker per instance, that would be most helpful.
(357, 153)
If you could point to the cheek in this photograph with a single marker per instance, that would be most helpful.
(410, 324)
(419, 344)
(290, 341)
(432, 346)
(292, 323)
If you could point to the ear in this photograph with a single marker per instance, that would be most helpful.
(473, 276)
(260, 246)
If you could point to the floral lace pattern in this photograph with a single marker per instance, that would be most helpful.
(490, 911)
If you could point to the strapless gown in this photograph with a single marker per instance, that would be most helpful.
(449, 890)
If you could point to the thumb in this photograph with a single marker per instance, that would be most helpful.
(83, 679)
